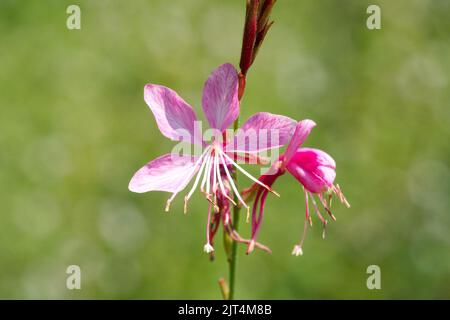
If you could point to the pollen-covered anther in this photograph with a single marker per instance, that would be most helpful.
(248, 215)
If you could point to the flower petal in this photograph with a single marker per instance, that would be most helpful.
(175, 118)
(170, 173)
(263, 131)
(314, 168)
(302, 131)
(220, 97)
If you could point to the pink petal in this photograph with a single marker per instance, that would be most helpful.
(263, 131)
(314, 168)
(302, 131)
(170, 173)
(220, 97)
(175, 118)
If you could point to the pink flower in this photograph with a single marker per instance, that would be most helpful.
(212, 170)
(313, 168)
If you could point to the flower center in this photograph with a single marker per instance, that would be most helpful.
(210, 162)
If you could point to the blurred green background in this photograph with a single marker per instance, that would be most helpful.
(75, 128)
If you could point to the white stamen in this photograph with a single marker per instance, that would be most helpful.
(208, 173)
(214, 185)
(205, 175)
(230, 180)
(169, 201)
(248, 174)
(197, 179)
(221, 185)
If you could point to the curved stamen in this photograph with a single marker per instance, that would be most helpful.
(221, 185)
(214, 185)
(338, 191)
(249, 175)
(169, 201)
(324, 204)
(206, 175)
(206, 181)
(197, 179)
(230, 181)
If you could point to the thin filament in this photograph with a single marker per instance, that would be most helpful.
(188, 177)
(221, 185)
(249, 175)
(230, 180)
(197, 179)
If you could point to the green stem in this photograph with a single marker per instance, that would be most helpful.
(234, 246)
(255, 28)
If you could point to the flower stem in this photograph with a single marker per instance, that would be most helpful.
(234, 245)
(255, 29)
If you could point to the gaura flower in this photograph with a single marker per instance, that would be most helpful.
(313, 168)
(214, 167)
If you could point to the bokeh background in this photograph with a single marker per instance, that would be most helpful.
(74, 129)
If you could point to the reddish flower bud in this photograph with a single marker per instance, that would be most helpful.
(248, 41)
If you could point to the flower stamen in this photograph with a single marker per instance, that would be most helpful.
(230, 181)
(221, 185)
(197, 179)
(337, 190)
(207, 176)
(324, 204)
(169, 201)
(249, 175)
